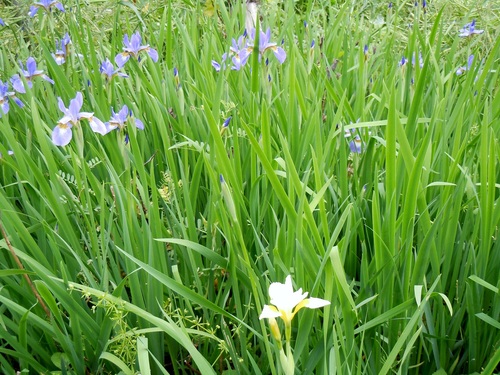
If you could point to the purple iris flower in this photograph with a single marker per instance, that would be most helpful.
(463, 69)
(177, 79)
(45, 4)
(4, 98)
(30, 73)
(222, 64)
(266, 44)
(238, 45)
(241, 50)
(225, 125)
(355, 145)
(108, 70)
(5, 95)
(240, 53)
(227, 121)
(238, 61)
(61, 50)
(62, 134)
(420, 60)
(1, 22)
(403, 62)
(9, 152)
(469, 29)
(132, 48)
(17, 84)
(119, 120)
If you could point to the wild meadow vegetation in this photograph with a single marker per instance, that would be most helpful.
(162, 204)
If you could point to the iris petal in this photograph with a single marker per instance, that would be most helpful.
(153, 54)
(285, 302)
(269, 312)
(61, 135)
(121, 59)
(139, 124)
(5, 108)
(98, 126)
(280, 54)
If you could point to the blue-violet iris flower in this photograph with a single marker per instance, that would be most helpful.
(225, 125)
(119, 120)
(1, 22)
(30, 73)
(240, 53)
(45, 4)
(239, 61)
(132, 48)
(266, 44)
(222, 64)
(420, 60)
(177, 79)
(404, 61)
(108, 70)
(463, 69)
(469, 29)
(356, 145)
(5, 95)
(62, 134)
(61, 50)
(9, 152)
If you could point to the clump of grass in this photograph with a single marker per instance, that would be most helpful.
(153, 250)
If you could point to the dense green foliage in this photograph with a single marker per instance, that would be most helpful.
(147, 260)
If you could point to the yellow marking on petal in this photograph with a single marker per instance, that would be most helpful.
(300, 305)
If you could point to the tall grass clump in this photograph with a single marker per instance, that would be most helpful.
(159, 183)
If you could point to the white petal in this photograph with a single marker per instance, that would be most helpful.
(315, 303)
(277, 290)
(283, 296)
(269, 312)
